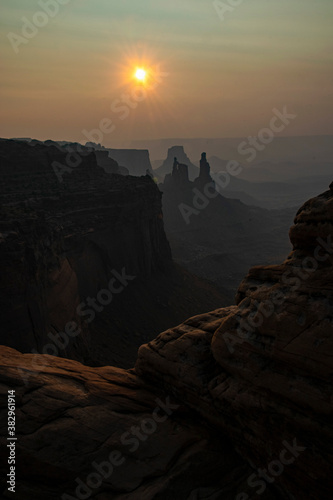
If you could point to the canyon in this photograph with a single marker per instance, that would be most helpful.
(233, 403)
(65, 231)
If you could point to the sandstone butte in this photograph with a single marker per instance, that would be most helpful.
(243, 388)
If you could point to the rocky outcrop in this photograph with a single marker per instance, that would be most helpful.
(109, 165)
(178, 179)
(166, 167)
(204, 177)
(135, 161)
(209, 232)
(262, 370)
(103, 433)
(29, 171)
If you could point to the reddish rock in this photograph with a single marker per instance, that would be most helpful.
(262, 370)
(70, 419)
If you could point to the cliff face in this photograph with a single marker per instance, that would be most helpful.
(64, 244)
(39, 289)
(61, 241)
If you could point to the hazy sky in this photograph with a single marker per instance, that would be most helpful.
(217, 77)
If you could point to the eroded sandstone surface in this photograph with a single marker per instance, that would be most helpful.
(74, 422)
(262, 370)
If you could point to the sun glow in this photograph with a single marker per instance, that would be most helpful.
(140, 74)
(140, 67)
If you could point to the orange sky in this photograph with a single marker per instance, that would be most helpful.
(217, 77)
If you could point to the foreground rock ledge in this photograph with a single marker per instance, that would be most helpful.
(70, 417)
(263, 370)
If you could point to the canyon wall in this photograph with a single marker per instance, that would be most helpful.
(68, 234)
(61, 241)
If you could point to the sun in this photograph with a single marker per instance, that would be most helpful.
(140, 74)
